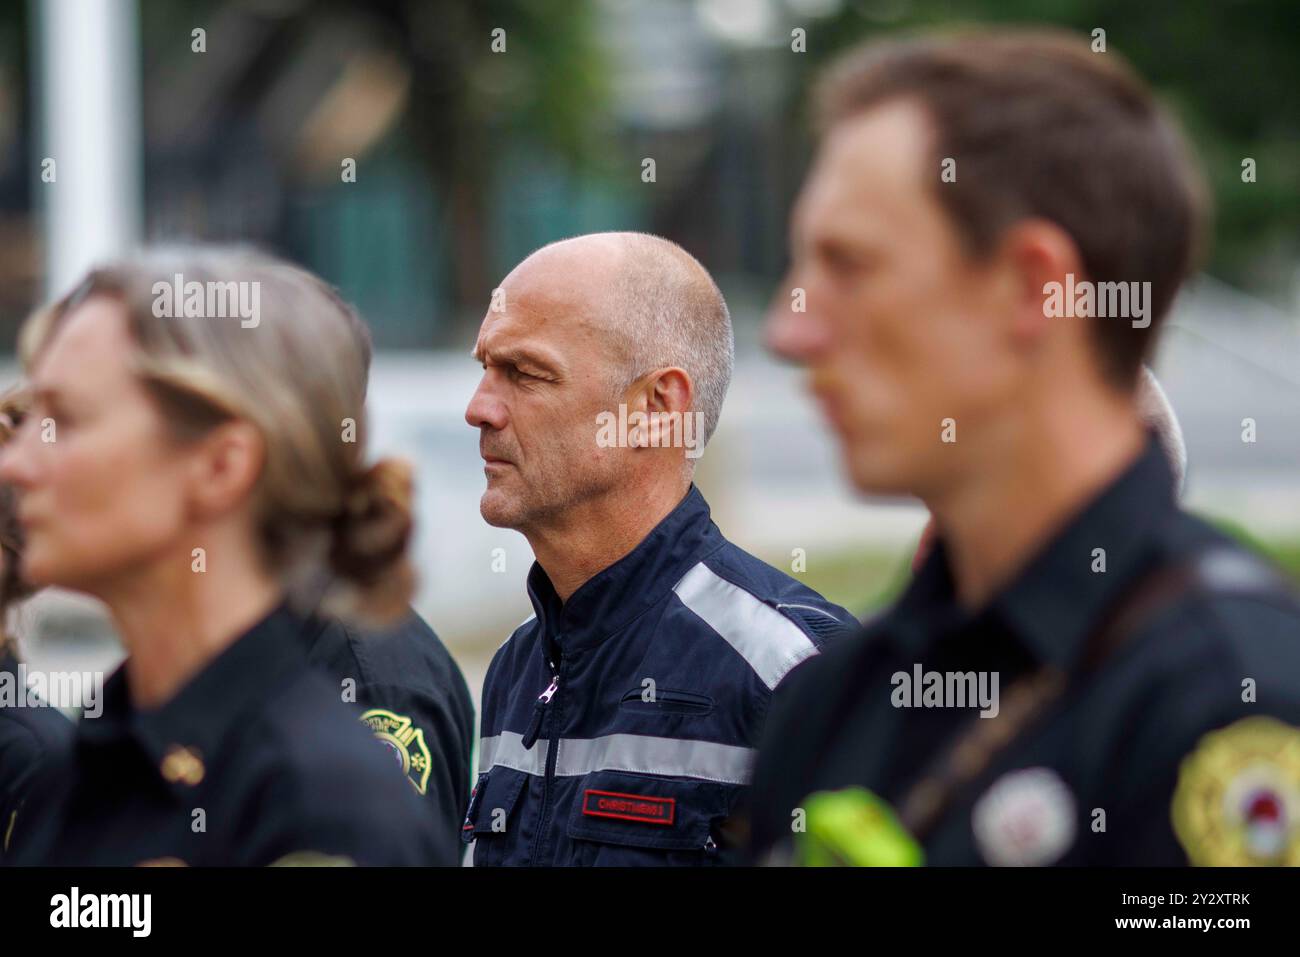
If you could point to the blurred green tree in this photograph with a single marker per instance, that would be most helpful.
(1230, 69)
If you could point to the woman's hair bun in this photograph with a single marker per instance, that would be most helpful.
(369, 541)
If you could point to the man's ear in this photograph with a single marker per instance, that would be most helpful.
(1038, 256)
(664, 392)
(225, 466)
(671, 390)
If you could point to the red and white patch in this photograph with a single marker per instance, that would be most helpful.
(1026, 819)
(629, 807)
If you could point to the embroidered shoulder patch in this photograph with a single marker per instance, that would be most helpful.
(1237, 802)
(406, 741)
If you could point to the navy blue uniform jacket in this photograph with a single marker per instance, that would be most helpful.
(619, 727)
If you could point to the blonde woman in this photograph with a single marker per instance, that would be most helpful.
(194, 459)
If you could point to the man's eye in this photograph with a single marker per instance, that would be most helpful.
(841, 262)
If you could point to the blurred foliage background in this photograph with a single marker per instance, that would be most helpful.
(1230, 70)
(467, 159)
(482, 129)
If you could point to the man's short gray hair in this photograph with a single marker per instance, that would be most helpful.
(668, 312)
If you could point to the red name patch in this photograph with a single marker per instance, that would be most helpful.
(629, 807)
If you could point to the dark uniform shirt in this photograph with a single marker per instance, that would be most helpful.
(254, 761)
(1182, 742)
(413, 697)
(32, 738)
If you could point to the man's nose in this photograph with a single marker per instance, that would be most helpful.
(485, 409)
(794, 329)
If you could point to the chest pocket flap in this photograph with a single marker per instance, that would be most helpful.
(640, 810)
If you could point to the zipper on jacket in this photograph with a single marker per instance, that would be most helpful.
(548, 779)
(539, 712)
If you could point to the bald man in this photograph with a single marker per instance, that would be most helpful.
(619, 722)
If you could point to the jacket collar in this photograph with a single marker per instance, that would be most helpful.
(201, 716)
(612, 598)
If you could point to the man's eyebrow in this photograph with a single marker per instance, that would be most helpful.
(515, 355)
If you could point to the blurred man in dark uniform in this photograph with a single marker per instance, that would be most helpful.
(1080, 672)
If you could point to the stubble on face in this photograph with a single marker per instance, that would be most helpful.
(553, 370)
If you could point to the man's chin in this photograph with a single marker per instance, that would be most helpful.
(498, 510)
(39, 572)
(872, 475)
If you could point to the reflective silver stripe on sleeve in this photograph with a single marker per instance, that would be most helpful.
(769, 641)
(637, 753)
(507, 750)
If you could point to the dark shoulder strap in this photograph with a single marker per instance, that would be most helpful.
(1218, 570)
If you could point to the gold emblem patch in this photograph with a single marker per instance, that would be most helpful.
(1238, 797)
(407, 741)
